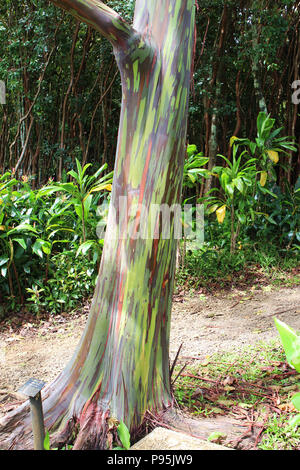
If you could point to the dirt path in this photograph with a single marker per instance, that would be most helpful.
(204, 324)
(221, 322)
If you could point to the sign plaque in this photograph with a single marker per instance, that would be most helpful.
(32, 389)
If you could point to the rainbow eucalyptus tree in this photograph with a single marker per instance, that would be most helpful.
(121, 366)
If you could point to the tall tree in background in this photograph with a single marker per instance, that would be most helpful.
(121, 366)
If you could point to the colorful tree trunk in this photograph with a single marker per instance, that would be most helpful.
(121, 366)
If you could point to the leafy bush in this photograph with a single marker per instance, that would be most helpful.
(291, 344)
(215, 264)
(43, 248)
(69, 282)
(247, 190)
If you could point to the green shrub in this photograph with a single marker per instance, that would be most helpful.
(45, 259)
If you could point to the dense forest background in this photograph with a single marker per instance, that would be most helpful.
(63, 87)
(58, 137)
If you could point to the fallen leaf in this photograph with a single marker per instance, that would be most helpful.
(245, 405)
(289, 407)
(217, 437)
(229, 380)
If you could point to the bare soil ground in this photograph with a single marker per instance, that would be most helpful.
(207, 324)
(202, 324)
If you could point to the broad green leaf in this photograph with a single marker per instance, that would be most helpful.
(78, 210)
(37, 249)
(242, 218)
(46, 247)
(213, 208)
(22, 228)
(291, 343)
(61, 230)
(21, 242)
(229, 188)
(124, 435)
(47, 441)
(3, 260)
(224, 180)
(99, 171)
(191, 150)
(296, 401)
(87, 205)
(84, 247)
(238, 182)
(275, 133)
(266, 191)
(95, 257)
(192, 177)
(73, 174)
(295, 420)
(252, 147)
(4, 271)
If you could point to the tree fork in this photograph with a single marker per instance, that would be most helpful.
(121, 366)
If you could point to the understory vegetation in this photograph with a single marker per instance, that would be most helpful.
(253, 386)
(251, 227)
(50, 251)
(51, 234)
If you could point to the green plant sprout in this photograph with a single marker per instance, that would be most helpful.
(291, 345)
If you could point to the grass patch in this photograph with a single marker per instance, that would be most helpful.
(218, 268)
(255, 383)
(279, 435)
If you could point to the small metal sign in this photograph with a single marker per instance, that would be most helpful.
(32, 387)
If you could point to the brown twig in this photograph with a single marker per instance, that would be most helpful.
(181, 370)
(200, 378)
(175, 360)
(279, 313)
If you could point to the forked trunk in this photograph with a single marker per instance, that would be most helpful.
(121, 366)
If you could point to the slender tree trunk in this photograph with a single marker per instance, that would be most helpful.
(238, 112)
(64, 110)
(213, 139)
(295, 114)
(215, 87)
(255, 67)
(121, 366)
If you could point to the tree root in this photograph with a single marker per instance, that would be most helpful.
(15, 428)
(91, 428)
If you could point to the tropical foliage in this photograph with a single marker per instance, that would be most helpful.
(40, 233)
(43, 126)
(291, 344)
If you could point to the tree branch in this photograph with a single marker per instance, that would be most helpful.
(102, 18)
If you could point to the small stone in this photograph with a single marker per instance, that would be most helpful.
(165, 439)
